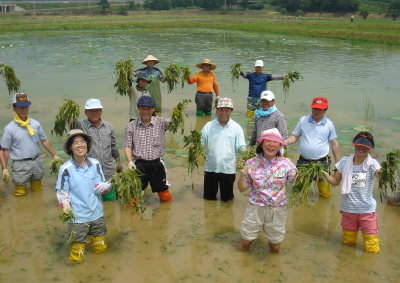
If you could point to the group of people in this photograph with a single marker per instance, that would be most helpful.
(84, 180)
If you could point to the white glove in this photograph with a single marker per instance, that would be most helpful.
(66, 207)
(131, 165)
(6, 175)
(57, 158)
(102, 188)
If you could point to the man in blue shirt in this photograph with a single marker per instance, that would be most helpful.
(257, 84)
(223, 138)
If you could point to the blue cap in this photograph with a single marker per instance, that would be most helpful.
(145, 101)
(143, 77)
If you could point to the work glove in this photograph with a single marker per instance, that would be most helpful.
(6, 175)
(66, 207)
(102, 188)
(57, 158)
(118, 167)
(131, 165)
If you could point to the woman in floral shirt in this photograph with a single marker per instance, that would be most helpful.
(266, 175)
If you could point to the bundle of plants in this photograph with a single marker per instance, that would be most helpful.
(71, 235)
(288, 80)
(245, 155)
(66, 217)
(128, 189)
(55, 166)
(177, 119)
(68, 114)
(185, 75)
(235, 72)
(387, 174)
(172, 76)
(12, 82)
(123, 71)
(193, 142)
(307, 176)
(216, 102)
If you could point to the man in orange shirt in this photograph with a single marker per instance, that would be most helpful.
(206, 83)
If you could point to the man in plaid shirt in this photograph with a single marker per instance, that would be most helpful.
(144, 144)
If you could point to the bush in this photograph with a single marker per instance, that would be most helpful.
(256, 6)
(283, 11)
(299, 13)
(123, 11)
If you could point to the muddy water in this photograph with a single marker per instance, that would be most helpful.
(191, 240)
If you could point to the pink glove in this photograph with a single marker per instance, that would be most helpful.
(102, 188)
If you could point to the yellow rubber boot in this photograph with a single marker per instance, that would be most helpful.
(99, 245)
(371, 243)
(20, 190)
(324, 189)
(349, 237)
(250, 114)
(76, 253)
(36, 185)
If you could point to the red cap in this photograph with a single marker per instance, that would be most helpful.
(320, 103)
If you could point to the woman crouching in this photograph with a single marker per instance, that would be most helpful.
(79, 187)
(266, 175)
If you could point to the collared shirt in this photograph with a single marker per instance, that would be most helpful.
(104, 147)
(79, 182)
(268, 178)
(314, 137)
(257, 83)
(223, 142)
(149, 72)
(275, 120)
(360, 199)
(18, 141)
(147, 142)
(134, 95)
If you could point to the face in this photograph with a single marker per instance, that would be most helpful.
(150, 64)
(78, 146)
(94, 115)
(361, 151)
(224, 114)
(318, 114)
(142, 83)
(265, 104)
(270, 148)
(206, 67)
(22, 112)
(145, 112)
(259, 69)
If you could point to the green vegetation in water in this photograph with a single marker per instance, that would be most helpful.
(235, 72)
(288, 80)
(68, 114)
(66, 217)
(307, 174)
(128, 188)
(193, 141)
(369, 114)
(177, 119)
(245, 155)
(387, 174)
(173, 73)
(12, 82)
(123, 70)
(55, 166)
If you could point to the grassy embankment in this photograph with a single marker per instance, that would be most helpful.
(373, 31)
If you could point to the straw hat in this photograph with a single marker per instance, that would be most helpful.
(150, 58)
(206, 61)
(73, 133)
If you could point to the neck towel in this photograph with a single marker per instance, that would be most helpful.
(25, 124)
(348, 172)
(261, 112)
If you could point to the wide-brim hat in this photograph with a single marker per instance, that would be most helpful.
(206, 61)
(150, 58)
(272, 135)
(73, 133)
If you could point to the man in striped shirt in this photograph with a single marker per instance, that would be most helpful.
(144, 147)
(316, 134)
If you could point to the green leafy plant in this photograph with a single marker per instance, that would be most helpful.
(123, 71)
(68, 115)
(387, 174)
(288, 80)
(177, 119)
(235, 72)
(12, 82)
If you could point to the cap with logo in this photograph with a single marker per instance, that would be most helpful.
(319, 103)
(21, 100)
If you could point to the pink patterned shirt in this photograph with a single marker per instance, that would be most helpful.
(267, 180)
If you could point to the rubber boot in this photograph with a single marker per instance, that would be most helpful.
(20, 190)
(324, 189)
(110, 196)
(349, 237)
(36, 185)
(99, 245)
(199, 113)
(77, 251)
(207, 113)
(165, 196)
(250, 114)
(371, 243)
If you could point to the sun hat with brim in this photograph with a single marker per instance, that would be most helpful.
(225, 102)
(93, 103)
(319, 103)
(150, 58)
(73, 133)
(206, 61)
(363, 141)
(21, 100)
(272, 135)
(146, 101)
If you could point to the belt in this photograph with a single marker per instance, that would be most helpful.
(204, 92)
(30, 158)
(326, 158)
(147, 161)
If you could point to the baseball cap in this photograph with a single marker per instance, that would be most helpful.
(93, 103)
(259, 63)
(319, 103)
(268, 95)
(145, 101)
(225, 102)
(21, 100)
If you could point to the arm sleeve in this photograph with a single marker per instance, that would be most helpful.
(245, 75)
(292, 172)
(192, 79)
(277, 77)
(128, 137)
(63, 179)
(6, 140)
(340, 165)
(375, 166)
(282, 127)
(63, 197)
(204, 136)
(332, 132)
(114, 149)
(160, 74)
(240, 140)
(41, 133)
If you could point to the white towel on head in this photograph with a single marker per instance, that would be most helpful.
(348, 172)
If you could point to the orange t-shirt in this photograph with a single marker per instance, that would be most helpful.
(205, 82)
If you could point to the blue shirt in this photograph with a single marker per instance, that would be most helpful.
(150, 72)
(223, 142)
(18, 141)
(79, 182)
(257, 83)
(314, 137)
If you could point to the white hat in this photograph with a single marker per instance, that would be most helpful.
(93, 103)
(268, 95)
(225, 102)
(259, 63)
